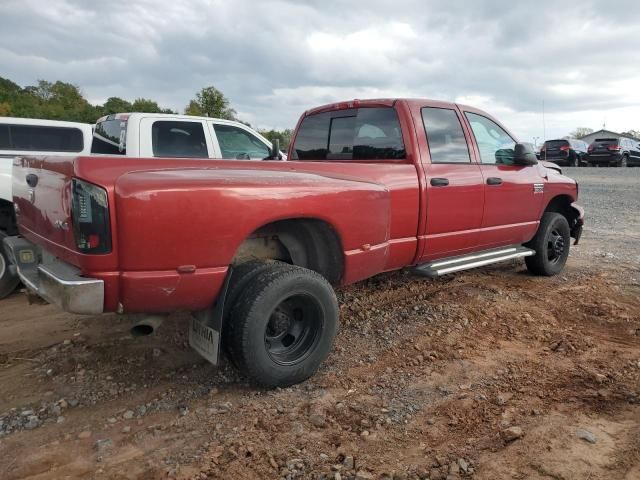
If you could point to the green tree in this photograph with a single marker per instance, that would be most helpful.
(5, 109)
(283, 135)
(211, 102)
(194, 109)
(116, 105)
(145, 105)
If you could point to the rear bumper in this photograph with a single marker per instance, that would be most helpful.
(57, 282)
(66, 286)
(603, 158)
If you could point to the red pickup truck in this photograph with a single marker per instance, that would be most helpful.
(253, 248)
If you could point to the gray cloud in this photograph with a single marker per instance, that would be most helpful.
(274, 59)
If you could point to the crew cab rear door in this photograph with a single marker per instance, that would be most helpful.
(513, 193)
(454, 189)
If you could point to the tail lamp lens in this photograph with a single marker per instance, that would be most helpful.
(614, 147)
(90, 214)
(564, 148)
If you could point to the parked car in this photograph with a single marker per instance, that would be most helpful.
(29, 136)
(177, 136)
(568, 152)
(253, 248)
(615, 152)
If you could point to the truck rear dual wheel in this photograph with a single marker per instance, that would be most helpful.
(282, 323)
(551, 244)
(8, 280)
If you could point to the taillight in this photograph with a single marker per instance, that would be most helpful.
(90, 214)
(590, 149)
(564, 148)
(614, 147)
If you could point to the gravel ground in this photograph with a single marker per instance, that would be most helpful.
(611, 197)
(487, 374)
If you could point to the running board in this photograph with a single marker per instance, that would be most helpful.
(473, 260)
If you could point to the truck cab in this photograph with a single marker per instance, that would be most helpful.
(149, 135)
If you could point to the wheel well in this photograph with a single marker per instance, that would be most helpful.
(8, 223)
(305, 242)
(562, 204)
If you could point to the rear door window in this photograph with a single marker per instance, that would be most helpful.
(445, 136)
(37, 138)
(178, 139)
(353, 134)
(109, 137)
(239, 144)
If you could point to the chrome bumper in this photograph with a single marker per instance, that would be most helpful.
(54, 280)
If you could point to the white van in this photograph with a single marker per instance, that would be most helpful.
(29, 136)
(149, 135)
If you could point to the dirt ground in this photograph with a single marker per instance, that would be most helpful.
(487, 374)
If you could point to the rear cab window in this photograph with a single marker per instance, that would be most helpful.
(356, 134)
(38, 138)
(109, 135)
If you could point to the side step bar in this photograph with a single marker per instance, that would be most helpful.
(473, 260)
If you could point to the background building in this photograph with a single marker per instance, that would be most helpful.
(605, 134)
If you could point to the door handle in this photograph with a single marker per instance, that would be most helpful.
(494, 181)
(439, 182)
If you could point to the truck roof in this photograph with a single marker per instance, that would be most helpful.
(374, 102)
(132, 115)
(43, 123)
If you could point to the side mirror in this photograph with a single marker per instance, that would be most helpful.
(275, 154)
(523, 154)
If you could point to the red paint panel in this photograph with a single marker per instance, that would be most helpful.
(167, 291)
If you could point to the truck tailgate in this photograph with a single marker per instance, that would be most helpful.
(42, 195)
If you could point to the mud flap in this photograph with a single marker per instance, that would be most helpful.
(205, 328)
(576, 233)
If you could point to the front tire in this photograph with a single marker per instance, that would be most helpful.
(551, 244)
(284, 324)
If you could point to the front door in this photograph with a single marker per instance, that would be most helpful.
(513, 193)
(454, 185)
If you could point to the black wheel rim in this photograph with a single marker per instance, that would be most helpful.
(293, 329)
(555, 246)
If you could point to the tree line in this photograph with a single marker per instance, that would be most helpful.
(64, 101)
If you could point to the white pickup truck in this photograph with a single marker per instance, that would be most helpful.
(30, 136)
(149, 135)
(145, 135)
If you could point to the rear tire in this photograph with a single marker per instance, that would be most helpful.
(8, 280)
(575, 161)
(240, 278)
(284, 323)
(551, 244)
(624, 161)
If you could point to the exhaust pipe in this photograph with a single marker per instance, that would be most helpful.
(147, 326)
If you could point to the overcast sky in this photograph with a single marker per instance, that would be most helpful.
(274, 59)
